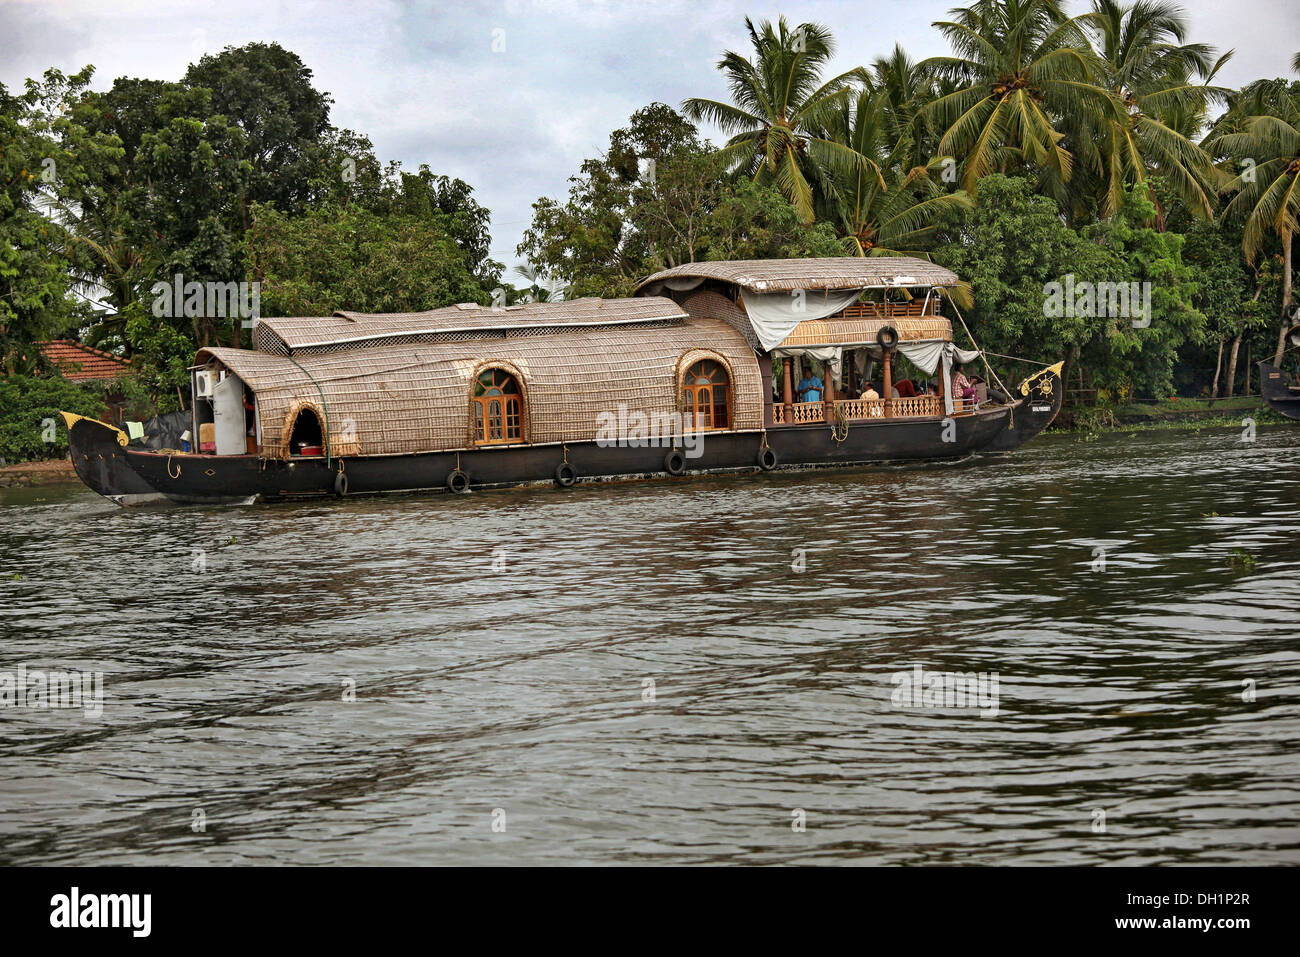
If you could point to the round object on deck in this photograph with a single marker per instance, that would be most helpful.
(457, 481)
(767, 459)
(887, 337)
(565, 475)
(675, 462)
(341, 484)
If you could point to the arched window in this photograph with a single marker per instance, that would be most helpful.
(496, 409)
(706, 397)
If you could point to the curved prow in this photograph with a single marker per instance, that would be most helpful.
(1279, 394)
(1037, 402)
(98, 452)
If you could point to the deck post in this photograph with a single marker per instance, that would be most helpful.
(828, 393)
(787, 388)
(887, 383)
(943, 386)
(765, 370)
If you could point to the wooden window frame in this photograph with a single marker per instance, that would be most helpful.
(508, 417)
(692, 392)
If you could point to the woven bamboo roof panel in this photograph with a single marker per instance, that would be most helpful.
(414, 397)
(783, 275)
(357, 329)
(714, 305)
(838, 330)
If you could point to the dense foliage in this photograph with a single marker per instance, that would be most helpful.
(30, 427)
(1045, 147)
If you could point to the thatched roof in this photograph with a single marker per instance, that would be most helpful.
(857, 331)
(358, 329)
(783, 275)
(405, 397)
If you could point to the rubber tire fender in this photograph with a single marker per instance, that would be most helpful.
(565, 475)
(768, 459)
(887, 337)
(675, 462)
(458, 481)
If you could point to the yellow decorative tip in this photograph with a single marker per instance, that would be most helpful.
(71, 418)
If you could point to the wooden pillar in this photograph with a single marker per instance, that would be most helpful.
(765, 369)
(887, 383)
(828, 393)
(944, 384)
(787, 388)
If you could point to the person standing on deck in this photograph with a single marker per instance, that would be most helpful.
(810, 387)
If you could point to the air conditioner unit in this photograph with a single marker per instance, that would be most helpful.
(205, 382)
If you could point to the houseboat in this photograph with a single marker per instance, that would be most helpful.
(702, 371)
(1281, 392)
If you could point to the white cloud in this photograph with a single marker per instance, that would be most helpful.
(421, 78)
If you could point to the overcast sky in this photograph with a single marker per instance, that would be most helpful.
(423, 81)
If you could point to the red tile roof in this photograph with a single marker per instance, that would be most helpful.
(78, 363)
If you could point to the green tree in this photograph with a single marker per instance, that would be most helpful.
(872, 219)
(1267, 181)
(267, 92)
(1020, 66)
(1145, 63)
(334, 258)
(780, 108)
(660, 196)
(47, 157)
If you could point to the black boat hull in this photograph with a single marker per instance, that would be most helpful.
(1278, 394)
(99, 458)
(1041, 397)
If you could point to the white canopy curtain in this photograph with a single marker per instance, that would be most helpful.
(926, 355)
(831, 355)
(775, 314)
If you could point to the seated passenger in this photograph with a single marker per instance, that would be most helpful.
(962, 387)
(906, 388)
(870, 392)
(810, 387)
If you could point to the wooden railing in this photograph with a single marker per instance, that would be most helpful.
(863, 409)
(890, 310)
(916, 405)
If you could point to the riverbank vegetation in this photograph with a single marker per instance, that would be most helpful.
(1097, 146)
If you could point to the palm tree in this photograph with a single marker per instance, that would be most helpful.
(541, 287)
(107, 267)
(779, 106)
(906, 90)
(871, 219)
(1020, 66)
(1267, 184)
(1144, 62)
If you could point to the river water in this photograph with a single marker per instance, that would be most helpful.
(678, 671)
